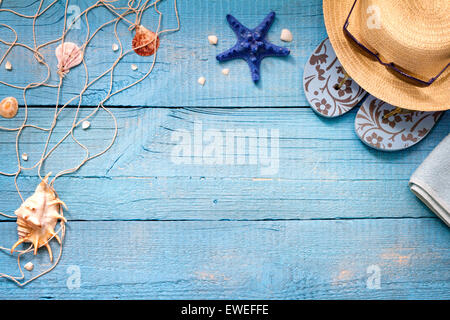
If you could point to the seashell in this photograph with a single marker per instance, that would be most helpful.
(286, 35)
(225, 71)
(201, 81)
(144, 43)
(29, 266)
(37, 218)
(24, 157)
(213, 39)
(9, 107)
(115, 47)
(134, 67)
(85, 125)
(69, 56)
(8, 66)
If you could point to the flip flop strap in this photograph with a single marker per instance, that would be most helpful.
(397, 110)
(340, 84)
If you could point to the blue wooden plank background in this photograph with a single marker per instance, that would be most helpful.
(147, 223)
(182, 58)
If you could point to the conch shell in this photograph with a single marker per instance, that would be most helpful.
(69, 56)
(144, 43)
(37, 218)
(9, 107)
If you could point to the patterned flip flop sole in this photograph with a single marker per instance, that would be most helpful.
(329, 90)
(396, 132)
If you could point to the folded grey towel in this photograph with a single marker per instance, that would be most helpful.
(431, 181)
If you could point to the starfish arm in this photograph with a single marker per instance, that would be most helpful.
(254, 69)
(275, 51)
(238, 28)
(265, 25)
(234, 52)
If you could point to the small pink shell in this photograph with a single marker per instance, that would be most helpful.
(69, 56)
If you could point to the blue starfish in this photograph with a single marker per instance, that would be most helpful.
(251, 45)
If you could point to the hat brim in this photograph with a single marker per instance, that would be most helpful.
(375, 78)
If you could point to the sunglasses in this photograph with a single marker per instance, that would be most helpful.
(390, 65)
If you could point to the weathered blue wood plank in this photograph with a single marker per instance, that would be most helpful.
(184, 198)
(324, 171)
(323, 174)
(182, 58)
(248, 260)
(309, 147)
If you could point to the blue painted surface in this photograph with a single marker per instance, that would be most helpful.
(182, 57)
(145, 222)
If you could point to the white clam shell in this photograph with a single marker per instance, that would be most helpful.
(8, 66)
(213, 39)
(286, 35)
(201, 81)
(85, 125)
(29, 266)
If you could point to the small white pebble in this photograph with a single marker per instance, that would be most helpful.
(8, 66)
(286, 35)
(29, 266)
(115, 47)
(213, 39)
(24, 157)
(85, 125)
(134, 67)
(225, 71)
(201, 80)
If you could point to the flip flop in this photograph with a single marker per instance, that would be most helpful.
(387, 128)
(328, 88)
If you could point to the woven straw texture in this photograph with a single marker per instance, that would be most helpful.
(415, 35)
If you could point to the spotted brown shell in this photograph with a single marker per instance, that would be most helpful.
(144, 43)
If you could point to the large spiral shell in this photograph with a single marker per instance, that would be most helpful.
(37, 218)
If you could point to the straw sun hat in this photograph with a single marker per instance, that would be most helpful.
(411, 39)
